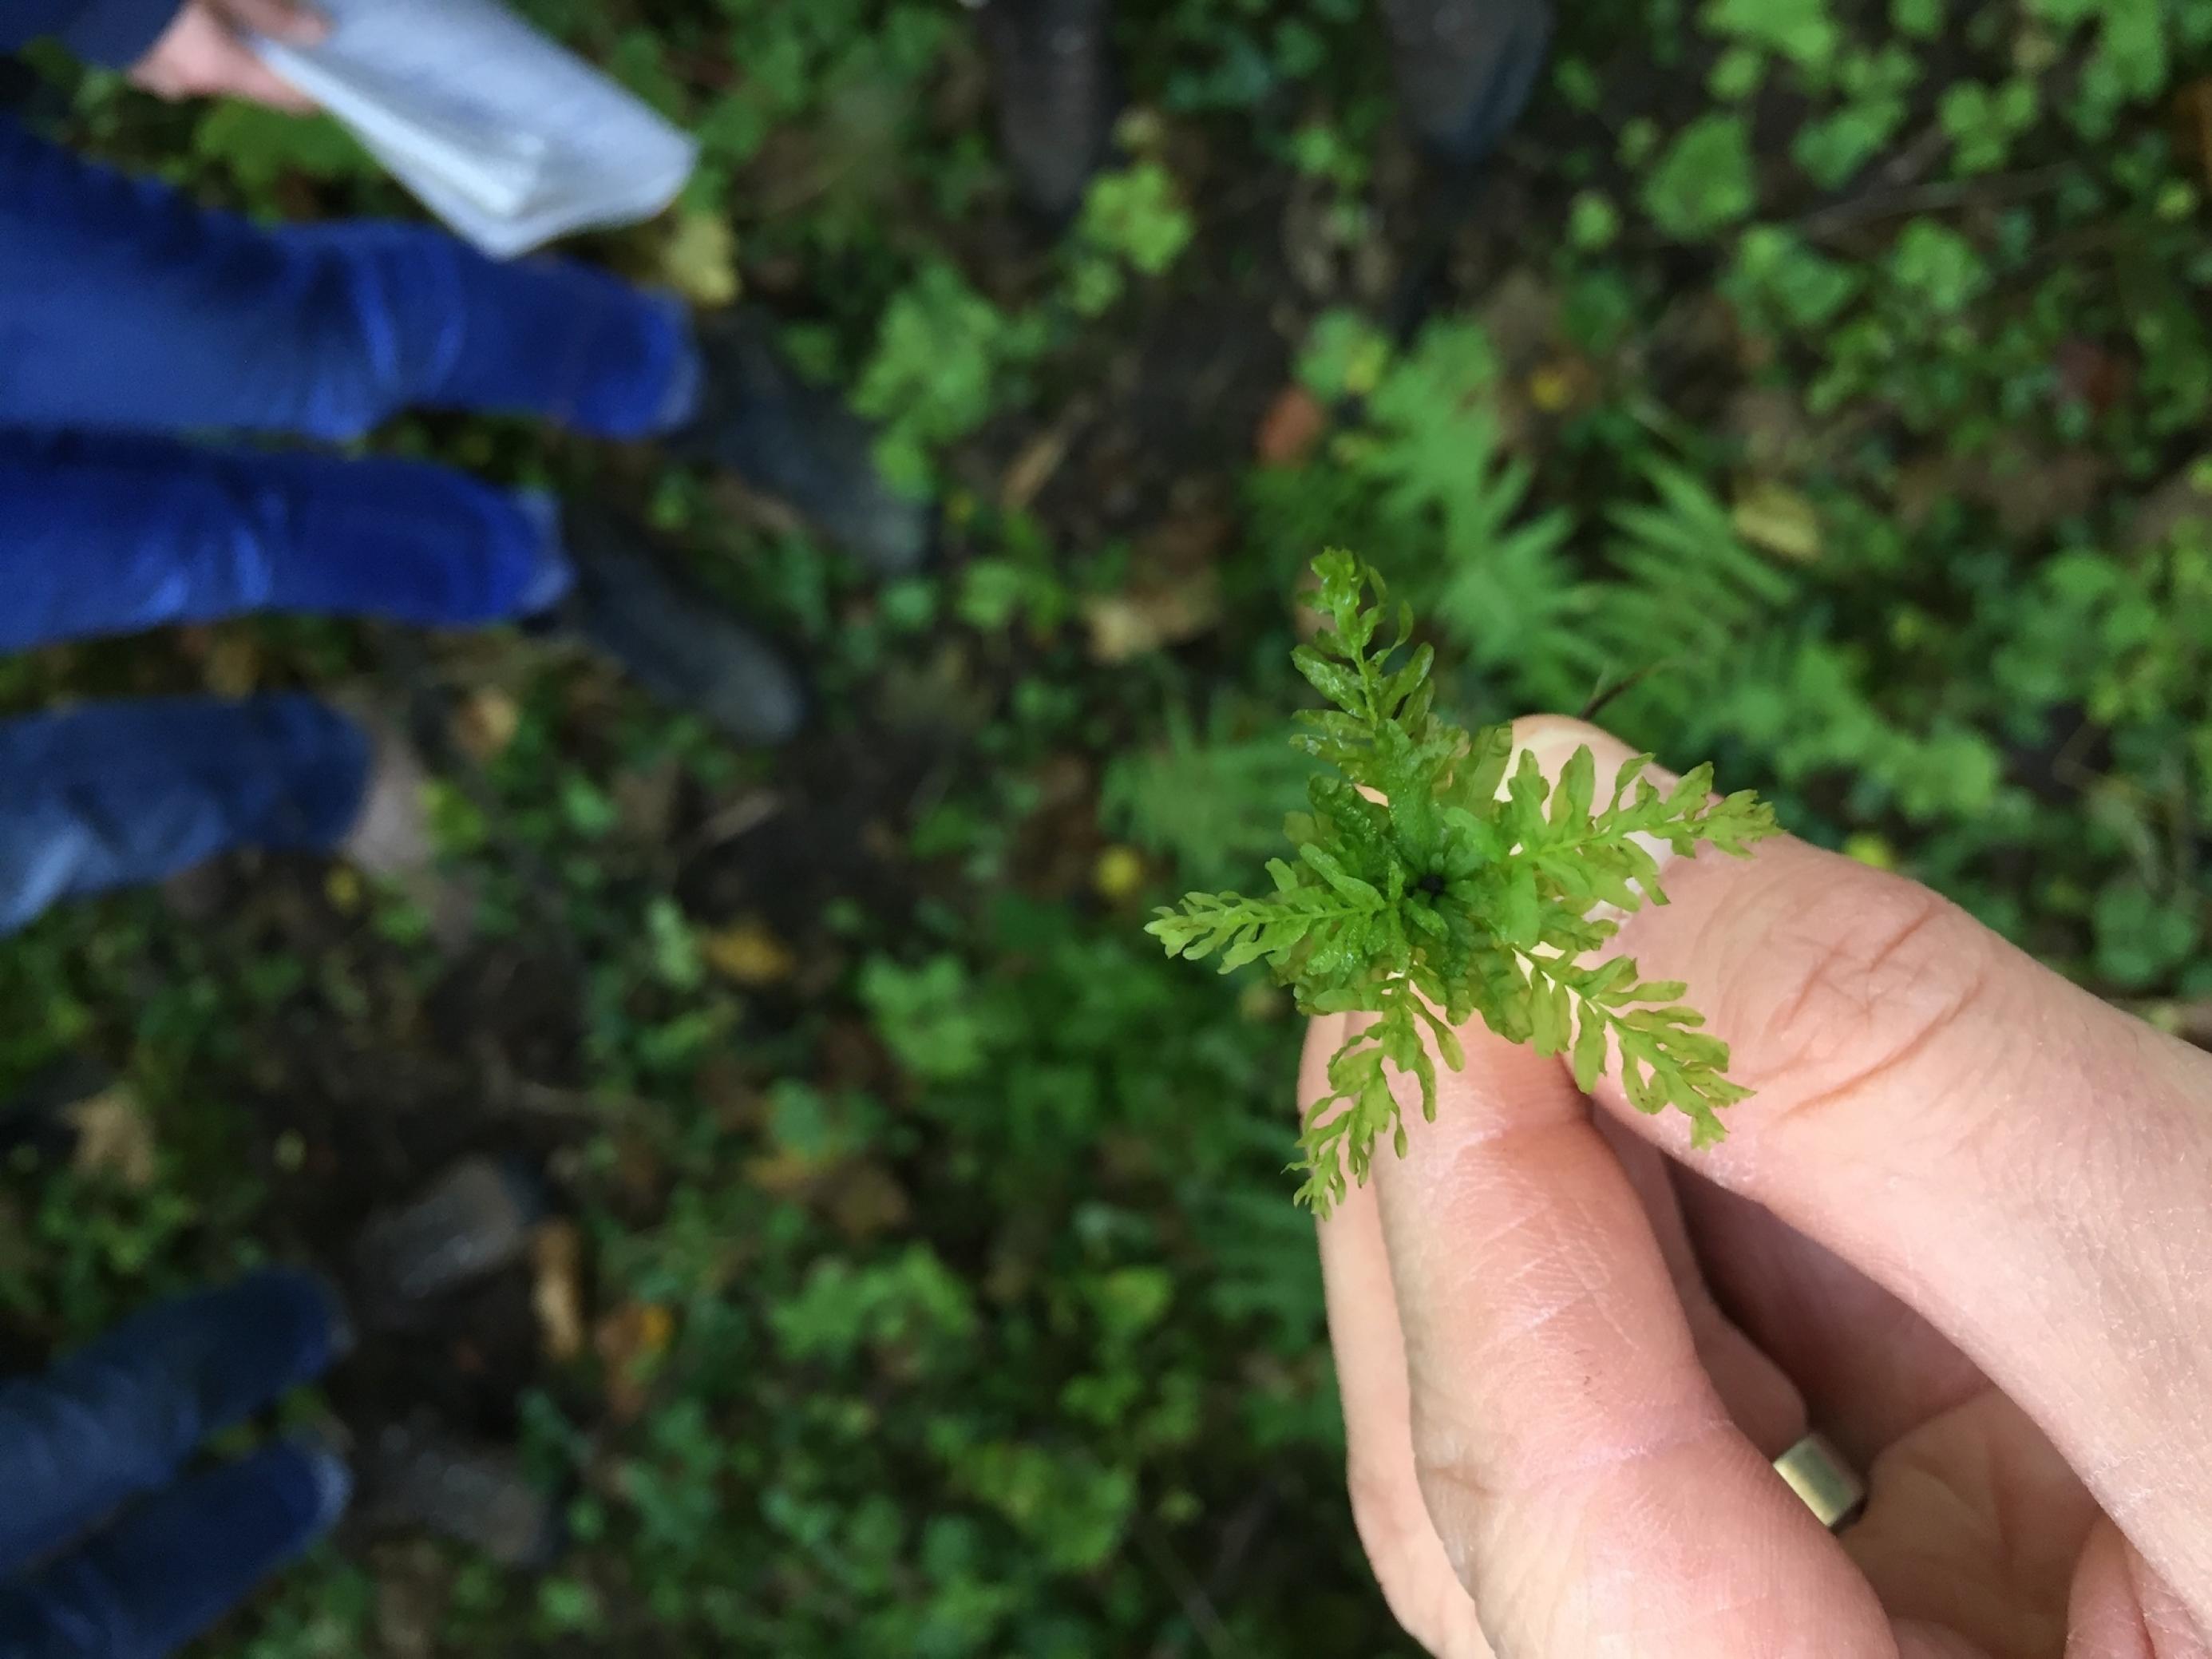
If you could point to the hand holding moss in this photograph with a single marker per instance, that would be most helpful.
(1425, 895)
(1960, 1232)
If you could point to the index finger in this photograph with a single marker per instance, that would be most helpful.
(2026, 1166)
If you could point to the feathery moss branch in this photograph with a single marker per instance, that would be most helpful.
(1429, 887)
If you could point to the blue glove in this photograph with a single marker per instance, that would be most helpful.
(106, 1552)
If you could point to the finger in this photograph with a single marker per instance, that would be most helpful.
(178, 1562)
(1872, 1369)
(1416, 1579)
(2021, 1164)
(1400, 1539)
(117, 1417)
(2121, 1609)
(289, 21)
(1584, 1473)
(199, 58)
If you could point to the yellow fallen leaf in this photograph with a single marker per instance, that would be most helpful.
(869, 1202)
(486, 723)
(1129, 624)
(342, 886)
(749, 954)
(1032, 470)
(784, 1173)
(1552, 387)
(700, 259)
(114, 1137)
(1120, 874)
(557, 1288)
(1770, 514)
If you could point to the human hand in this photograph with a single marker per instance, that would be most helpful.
(1961, 1229)
(203, 53)
(104, 1550)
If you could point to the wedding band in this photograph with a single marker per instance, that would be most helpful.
(1816, 1472)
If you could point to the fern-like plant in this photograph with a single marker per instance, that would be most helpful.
(1424, 894)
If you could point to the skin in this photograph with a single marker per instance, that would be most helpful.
(1961, 1229)
(203, 53)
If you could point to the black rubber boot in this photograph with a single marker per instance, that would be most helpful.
(798, 442)
(411, 1476)
(1466, 68)
(474, 1220)
(1053, 65)
(635, 602)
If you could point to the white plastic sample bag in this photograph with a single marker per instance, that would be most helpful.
(510, 138)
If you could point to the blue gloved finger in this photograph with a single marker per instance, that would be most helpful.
(117, 1417)
(177, 1563)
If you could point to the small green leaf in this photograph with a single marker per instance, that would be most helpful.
(1338, 683)
(1704, 183)
(1590, 1048)
(1571, 796)
(1547, 1016)
(1338, 877)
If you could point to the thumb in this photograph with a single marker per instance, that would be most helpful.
(2025, 1166)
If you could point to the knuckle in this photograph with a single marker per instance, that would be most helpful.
(1858, 986)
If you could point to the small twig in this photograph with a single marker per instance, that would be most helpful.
(1916, 158)
(1603, 694)
(1197, 1606)
(1238, 1537)
(741, 817)
(1937, 198)
(930, 791)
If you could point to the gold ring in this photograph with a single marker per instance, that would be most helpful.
(1816, 1472)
